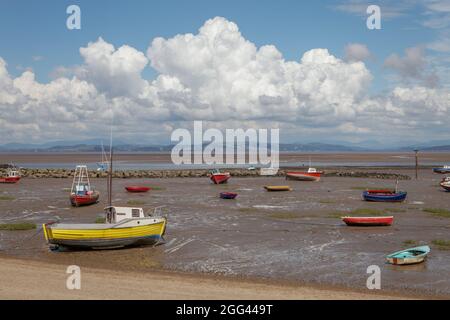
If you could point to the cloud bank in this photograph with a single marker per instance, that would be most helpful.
(218, 76)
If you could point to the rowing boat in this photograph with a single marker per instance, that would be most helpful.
(368, 221)
(384, 195)
(409, 256)
(137, 189)
(228, 195)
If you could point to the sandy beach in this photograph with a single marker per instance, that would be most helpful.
(26, 279)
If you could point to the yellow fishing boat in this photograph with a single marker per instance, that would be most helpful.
(278, 188)
(124, 226)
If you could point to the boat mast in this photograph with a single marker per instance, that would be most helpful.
(110, 179)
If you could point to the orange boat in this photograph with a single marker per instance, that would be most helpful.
(311, 175)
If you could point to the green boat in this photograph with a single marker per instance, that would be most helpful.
(409, 256)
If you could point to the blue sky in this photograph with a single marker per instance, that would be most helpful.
(37, 28)
(35, 44)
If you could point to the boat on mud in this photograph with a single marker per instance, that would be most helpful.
(384, 195)
(368, 221)
(219, 177)
(81, 192)
(123, 226)
(311, 175)
(445, 183)
(228, 195)
(12, 174)
(442, 170)
(137, 189)
(278, 188)
(409, 256)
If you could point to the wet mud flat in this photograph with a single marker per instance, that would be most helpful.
(294, 237)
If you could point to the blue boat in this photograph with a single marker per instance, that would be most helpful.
(384, 195)
(409, 256)
(442, 170)
(228, 195)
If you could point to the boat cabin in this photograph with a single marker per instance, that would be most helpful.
(117, 214)
(13, 173)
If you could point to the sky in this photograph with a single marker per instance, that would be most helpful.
(310, 68)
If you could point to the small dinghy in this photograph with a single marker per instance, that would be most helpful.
(278, 188)
(228, 195)
(384, 195)
(137, 189)
(218, 177)
(368, 221)
(409, 256)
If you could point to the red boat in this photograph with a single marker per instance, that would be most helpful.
(81, 193)
(89, 197)
(12, 176)
(218, 177)
(311, 175)
(137, 188)
(368, 221)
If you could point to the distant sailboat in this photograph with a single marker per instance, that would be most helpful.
(103, 165)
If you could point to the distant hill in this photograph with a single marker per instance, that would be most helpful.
(96, 146)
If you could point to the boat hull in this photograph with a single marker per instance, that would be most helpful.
(441, 170)
(368, 221)
(303, 176)
(277, 188)
(137, 189)
(84, 200)
(409, 256)
(9, 180)
(105, 238)
(228, 195)
(384, 196)
(446, 186)
(220, 178)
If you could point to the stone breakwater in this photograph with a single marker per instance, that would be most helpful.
(185, 173)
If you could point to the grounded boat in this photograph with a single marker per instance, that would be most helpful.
(445, 183)
(384, 195)
(409, 256)
(444, 169)
(218, 178)
(81, 193)
(278, 188)
(311, 175)
(137, 189)
(12, 175)
(368, 221)
(228, 195)
(124, 226)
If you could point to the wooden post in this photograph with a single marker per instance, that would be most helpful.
(417, 163)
